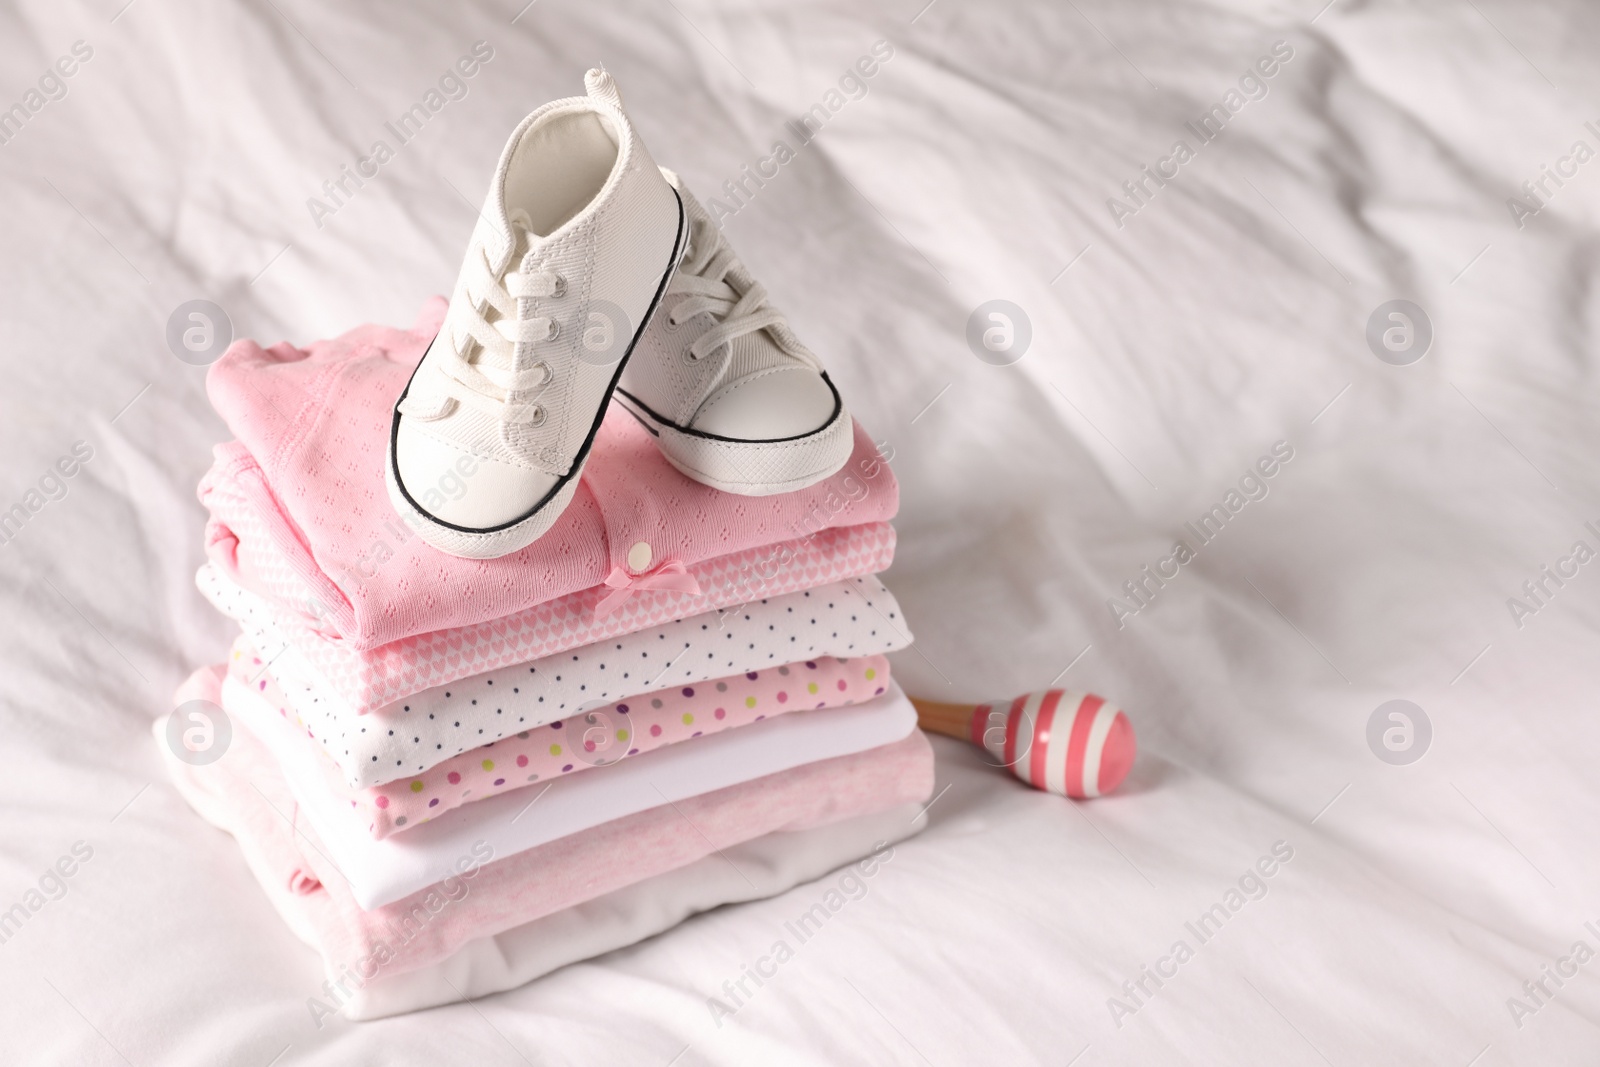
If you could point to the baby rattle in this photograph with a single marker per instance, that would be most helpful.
(1071, 744)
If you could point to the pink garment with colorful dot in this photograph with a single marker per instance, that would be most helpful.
(593, 738)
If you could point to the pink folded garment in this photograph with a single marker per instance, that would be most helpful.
(370, 678)
(300, 514)
(854, 618)
(244, 792)
(595, 738)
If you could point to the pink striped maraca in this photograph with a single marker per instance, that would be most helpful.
(1072, 744)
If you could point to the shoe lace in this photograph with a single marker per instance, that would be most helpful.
(713, 280)
(482, 358)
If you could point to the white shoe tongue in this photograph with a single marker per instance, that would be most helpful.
(516, 238)
(749, 352)
(520, 236)
(753, 352)
(602, 86)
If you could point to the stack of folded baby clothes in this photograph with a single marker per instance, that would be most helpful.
(452, 775)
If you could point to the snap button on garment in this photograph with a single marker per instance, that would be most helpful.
(639, 557)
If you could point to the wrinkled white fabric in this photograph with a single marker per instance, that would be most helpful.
(1227, 314)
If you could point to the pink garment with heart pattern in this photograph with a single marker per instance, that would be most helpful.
(368, 679)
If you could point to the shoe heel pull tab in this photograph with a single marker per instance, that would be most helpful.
(602, 86)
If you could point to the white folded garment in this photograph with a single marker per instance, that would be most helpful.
(381, 872)
(763, 867)
(858, 617)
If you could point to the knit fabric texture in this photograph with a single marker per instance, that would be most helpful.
(370, 678)
(299, 511)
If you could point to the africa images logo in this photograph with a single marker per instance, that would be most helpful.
(1139, 191)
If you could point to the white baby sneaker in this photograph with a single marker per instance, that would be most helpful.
(570, 258)
(734, 400)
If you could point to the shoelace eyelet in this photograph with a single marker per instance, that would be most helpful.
(554, 331)
(536, 415)
(560, 287)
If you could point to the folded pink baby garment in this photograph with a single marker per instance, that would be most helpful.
(245, 792)
(848, 619)
(853, 848)
(595, 738)
(370, 678)
(299, 511)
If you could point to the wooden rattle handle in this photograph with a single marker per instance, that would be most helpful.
(952, 720)
(1072, 744)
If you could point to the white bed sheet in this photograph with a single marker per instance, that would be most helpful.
(1226, 314)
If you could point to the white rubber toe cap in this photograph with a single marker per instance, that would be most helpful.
(769, 405)
(460, 488)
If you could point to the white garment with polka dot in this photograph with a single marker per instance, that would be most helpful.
(858, 617)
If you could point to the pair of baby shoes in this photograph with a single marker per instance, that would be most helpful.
(593, 272)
